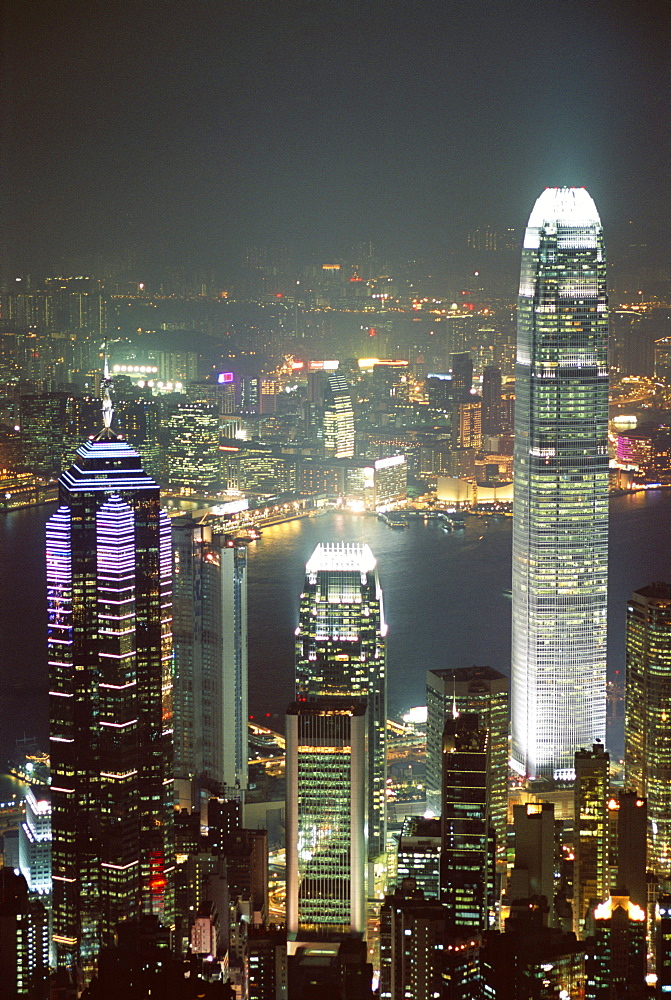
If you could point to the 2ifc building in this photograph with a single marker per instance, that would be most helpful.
(560, 519)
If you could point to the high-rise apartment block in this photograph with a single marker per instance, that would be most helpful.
(647, 728)
(590, 832)
(560, 523)
(210, 672)
(109, 583)
(484, 691)
(326, 817)
(340, 651)
(467, 856)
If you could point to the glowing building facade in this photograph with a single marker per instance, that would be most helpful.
(338, 418)
(647, 727)
(340, 651)
(560, 525)
(109, 579)
(326, 817)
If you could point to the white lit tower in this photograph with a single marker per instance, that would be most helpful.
(340, 651)
(109, 580)
(560, 525)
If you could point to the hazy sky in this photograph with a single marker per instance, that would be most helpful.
(189, 129)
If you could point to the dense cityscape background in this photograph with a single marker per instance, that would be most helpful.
(266, 383)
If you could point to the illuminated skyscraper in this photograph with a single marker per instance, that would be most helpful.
(193, 450)
(467, 859)
(338, 418)
(326, 817)
(590, 833)
(340, 651)
(210, 644)
(560, 526)
(647, 727)
(470, 689)
(109, 579)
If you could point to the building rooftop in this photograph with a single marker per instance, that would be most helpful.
(344, 556)
(566, 207)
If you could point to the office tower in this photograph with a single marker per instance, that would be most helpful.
(462, 376)
(340, 651)
(35, 842)
(44, 423)
(560, 522)
(210, 665)
(647, 729)
(467, 855)
(326, 817)
(418, 855)
(24, 941)
(338, 418)
(629, 845)
(193, 450)
(616, 957)
(484, 691)
(467, 424)
(246, 853)
(590, 832)
(491, 400)
(109, 581)
(533, 874)
(420, 956)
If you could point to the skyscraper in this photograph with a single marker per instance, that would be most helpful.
(590, 832)
(484, 691)
(467, 853)
(340, 651)
(109, 578)
(210, 645)
(560, 526)
(193, 450)
(326, 817)
(338, 418)
(647, 727)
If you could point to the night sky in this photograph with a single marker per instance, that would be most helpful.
(187, 130)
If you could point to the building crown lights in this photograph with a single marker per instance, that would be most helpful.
(344, 556)
(565, 207)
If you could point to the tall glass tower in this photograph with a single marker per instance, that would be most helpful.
(560, 526)
(109, 580)
(340, 651)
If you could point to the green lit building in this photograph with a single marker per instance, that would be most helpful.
(484, 691)
(560, 517)
(647, 728)
(340, 651)
(326, 817)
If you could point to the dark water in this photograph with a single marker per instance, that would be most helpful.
(447, 601)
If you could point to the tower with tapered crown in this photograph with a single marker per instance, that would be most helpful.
(560, 519)
(109, 583)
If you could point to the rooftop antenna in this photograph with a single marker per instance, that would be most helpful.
(455, 713)
(108, 409)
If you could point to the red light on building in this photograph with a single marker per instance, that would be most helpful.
(372, 332)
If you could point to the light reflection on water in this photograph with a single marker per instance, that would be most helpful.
(446, 598)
